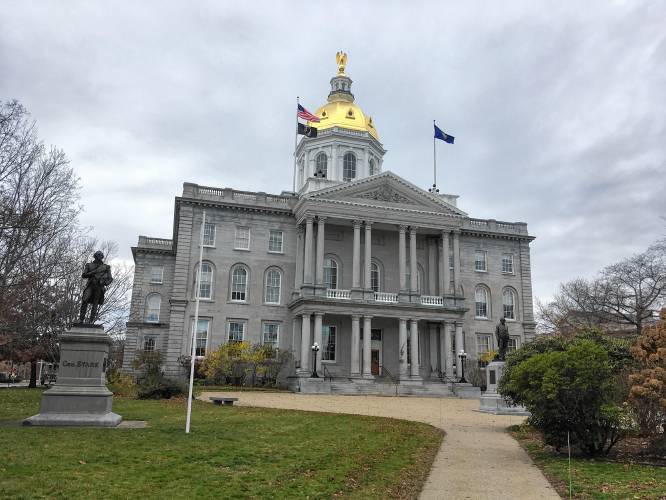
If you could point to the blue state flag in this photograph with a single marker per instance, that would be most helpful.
(440, 134)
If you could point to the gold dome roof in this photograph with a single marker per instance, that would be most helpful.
(340, 110)
(344, 115)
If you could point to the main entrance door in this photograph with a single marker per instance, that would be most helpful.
(374, 361)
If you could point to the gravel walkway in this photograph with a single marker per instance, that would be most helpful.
(478, 459)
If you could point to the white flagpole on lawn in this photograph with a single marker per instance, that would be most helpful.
(195, 327)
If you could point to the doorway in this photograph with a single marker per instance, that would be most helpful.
(374, 361)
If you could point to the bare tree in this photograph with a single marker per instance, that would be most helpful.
(624, 296)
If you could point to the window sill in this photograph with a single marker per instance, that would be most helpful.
(201, 299)
(328, 362)
(480, 318)
(510, 273)
(155, 282)
(209, 246)
(275, 252)
(481, 270)
(272, 304)
(242, 249)
(239, 302)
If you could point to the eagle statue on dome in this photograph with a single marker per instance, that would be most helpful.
(341, 59)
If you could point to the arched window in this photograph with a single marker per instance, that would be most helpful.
(239, 284)
(509, 303)
(330, 273)
(273, 284)
(153, 302)
(481, 301)
(375, 277)
(371, 167)
(349, 167)
(206, 284)
(321, 165)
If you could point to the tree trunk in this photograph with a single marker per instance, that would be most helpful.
(33, 375)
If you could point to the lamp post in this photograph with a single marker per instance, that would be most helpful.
(315, 348)
(463, 356)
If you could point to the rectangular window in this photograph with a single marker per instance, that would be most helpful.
(209, 235)
(513, 344)
(242, 239)
(236, 330)
(328, 339)
(480, 260)
(203, 328)
(482, 344)
(507, 263)
(149, 344)
(270, 334)
(275, 241)
(156, 274)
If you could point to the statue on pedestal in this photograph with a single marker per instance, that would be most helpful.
(99, 277)
(502, 334)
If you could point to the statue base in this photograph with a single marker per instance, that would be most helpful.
(493, 402)
(80, 396)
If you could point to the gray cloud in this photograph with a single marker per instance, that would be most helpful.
(557, 108)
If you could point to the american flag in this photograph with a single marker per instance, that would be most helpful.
(306, 115)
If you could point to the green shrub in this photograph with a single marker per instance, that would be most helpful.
(568, 387)
(152, 382)
(240, 363)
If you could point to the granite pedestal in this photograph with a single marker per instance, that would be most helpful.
(493, 402)
(80, 396)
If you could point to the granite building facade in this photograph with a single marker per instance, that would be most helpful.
(355, 249)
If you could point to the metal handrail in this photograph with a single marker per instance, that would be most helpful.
(330, 375)
(394, 380)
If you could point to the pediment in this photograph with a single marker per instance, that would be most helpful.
(385, 190)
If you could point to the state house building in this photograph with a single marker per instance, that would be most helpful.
(390, 279)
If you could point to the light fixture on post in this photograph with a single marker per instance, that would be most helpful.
(315, 349)
(463, 356)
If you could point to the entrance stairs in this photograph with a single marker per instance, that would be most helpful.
(378, 386)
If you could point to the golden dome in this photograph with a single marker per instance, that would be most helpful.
(344, 115)
(340, 110)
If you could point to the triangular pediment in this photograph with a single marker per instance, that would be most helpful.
(386, 190)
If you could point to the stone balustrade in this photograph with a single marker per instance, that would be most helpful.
(228, 194)
(386, 297)
(333, 293)
(432, 300)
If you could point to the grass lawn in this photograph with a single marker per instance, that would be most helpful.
(593, 478)
(232, 452)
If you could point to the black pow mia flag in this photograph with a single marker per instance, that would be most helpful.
(306, 130)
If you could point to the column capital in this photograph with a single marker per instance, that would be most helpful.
(402, 228)
(356, 223)
(368, 224)
(309, 218)
(403, 319)
(356, 316)
(319, 315)
(306, 315)
(367, 316)
(321, 218)
(412, 229)
(445, 232)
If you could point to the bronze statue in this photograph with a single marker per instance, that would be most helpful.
(99, 277)
(502, 334)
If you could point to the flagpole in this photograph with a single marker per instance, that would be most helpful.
(196, 326)
(295, 146)
(434, 159)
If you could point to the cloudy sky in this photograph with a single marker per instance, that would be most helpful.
(558, 108)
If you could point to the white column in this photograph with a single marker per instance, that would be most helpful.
(356, 258)
(368, 254)
(355, 345)
(299, 258)
(402, 347)
(433, 349)
(432, 260)
(456, 263)
(448, 334)
(413, 270)
(414, 341)
(367, 336)
(401, 257)
(307, 272)
(305, 343)
(459, 346)
(445, 271)
(317, 337)
(320, 250)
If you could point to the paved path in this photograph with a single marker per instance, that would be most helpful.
(478, 459)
